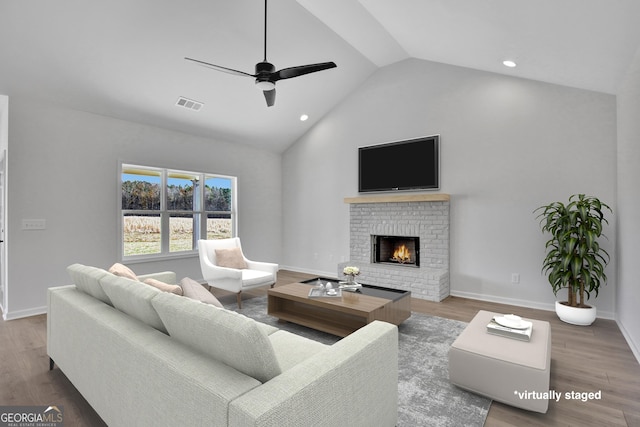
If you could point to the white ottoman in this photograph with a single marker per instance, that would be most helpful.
(504, 369)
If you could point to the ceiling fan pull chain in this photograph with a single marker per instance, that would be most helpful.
(265, 30)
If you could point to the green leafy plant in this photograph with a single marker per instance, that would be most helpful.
(575, 260)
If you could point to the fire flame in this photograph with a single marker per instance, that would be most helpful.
(401, 254)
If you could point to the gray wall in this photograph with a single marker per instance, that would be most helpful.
(63, 167)
(628, 250)
(508, 146)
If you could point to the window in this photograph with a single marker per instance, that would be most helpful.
(164, 212)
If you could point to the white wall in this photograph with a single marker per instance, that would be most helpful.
(508, 146)
(4, 141)
(63, 168)
(628, 295)
(4, 121)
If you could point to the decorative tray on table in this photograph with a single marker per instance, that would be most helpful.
(350, 287)
(325, 293)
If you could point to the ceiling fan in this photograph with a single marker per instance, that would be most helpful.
(266, 75)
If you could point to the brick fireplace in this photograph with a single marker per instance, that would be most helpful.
(419, 218)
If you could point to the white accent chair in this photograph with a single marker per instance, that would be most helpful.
(235, 280)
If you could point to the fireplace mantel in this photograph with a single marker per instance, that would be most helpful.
(398, 198)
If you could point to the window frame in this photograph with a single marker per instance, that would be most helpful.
(166, 214)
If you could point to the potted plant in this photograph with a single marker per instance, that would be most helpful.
(575, 260)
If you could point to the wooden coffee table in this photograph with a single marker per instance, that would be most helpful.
(338, 316)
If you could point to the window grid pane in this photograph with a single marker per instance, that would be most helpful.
(217, 194)
(181, 232)
(182, 193)
(219, 226)
(141, 189)
(141, 234)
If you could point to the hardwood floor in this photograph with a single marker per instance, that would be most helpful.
(583, 359)
(25, 379)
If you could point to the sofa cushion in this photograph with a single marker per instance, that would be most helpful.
(224, 335)
(87, 278)
(230, 258)
(164, 287)
(133, 298)
(194, 290)
(292, 349)
(122, 271)
(269, 330)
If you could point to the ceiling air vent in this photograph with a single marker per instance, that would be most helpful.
(189, 104)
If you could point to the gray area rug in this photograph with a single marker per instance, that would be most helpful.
(425, 396)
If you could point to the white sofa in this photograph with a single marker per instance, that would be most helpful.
(145, 357)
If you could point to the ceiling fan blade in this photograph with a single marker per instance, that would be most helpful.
(287, 73)
(220, 68)
(270, 96)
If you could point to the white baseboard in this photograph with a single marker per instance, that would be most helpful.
(521, 303)
(308, 271)
(632, 345)
(12, 315)
(502, 300)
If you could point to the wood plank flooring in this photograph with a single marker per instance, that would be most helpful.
(583, 359)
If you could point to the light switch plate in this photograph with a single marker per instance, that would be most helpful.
(34, 224)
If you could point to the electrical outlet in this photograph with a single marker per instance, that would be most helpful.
(33, 224)
(515, 278)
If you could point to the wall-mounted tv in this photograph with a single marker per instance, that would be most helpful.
(412, 164)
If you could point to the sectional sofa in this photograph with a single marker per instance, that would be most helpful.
(144, 357)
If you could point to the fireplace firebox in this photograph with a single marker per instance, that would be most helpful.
(399, 250)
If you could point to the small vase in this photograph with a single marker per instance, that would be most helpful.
(350, 280)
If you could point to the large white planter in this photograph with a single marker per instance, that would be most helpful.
(575, 315)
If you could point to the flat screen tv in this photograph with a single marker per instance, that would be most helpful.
(412, 164)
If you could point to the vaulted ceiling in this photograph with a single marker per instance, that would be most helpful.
(125, 58)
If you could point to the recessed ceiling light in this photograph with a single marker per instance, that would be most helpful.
(509, 63)
(303, 117)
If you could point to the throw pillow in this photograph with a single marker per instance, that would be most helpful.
(231, 258)
(223, 335)
(194, 290)
(133, 298)
(122, 271)
(164, 287)
(86, 278)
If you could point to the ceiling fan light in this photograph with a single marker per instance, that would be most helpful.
(265, 85)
